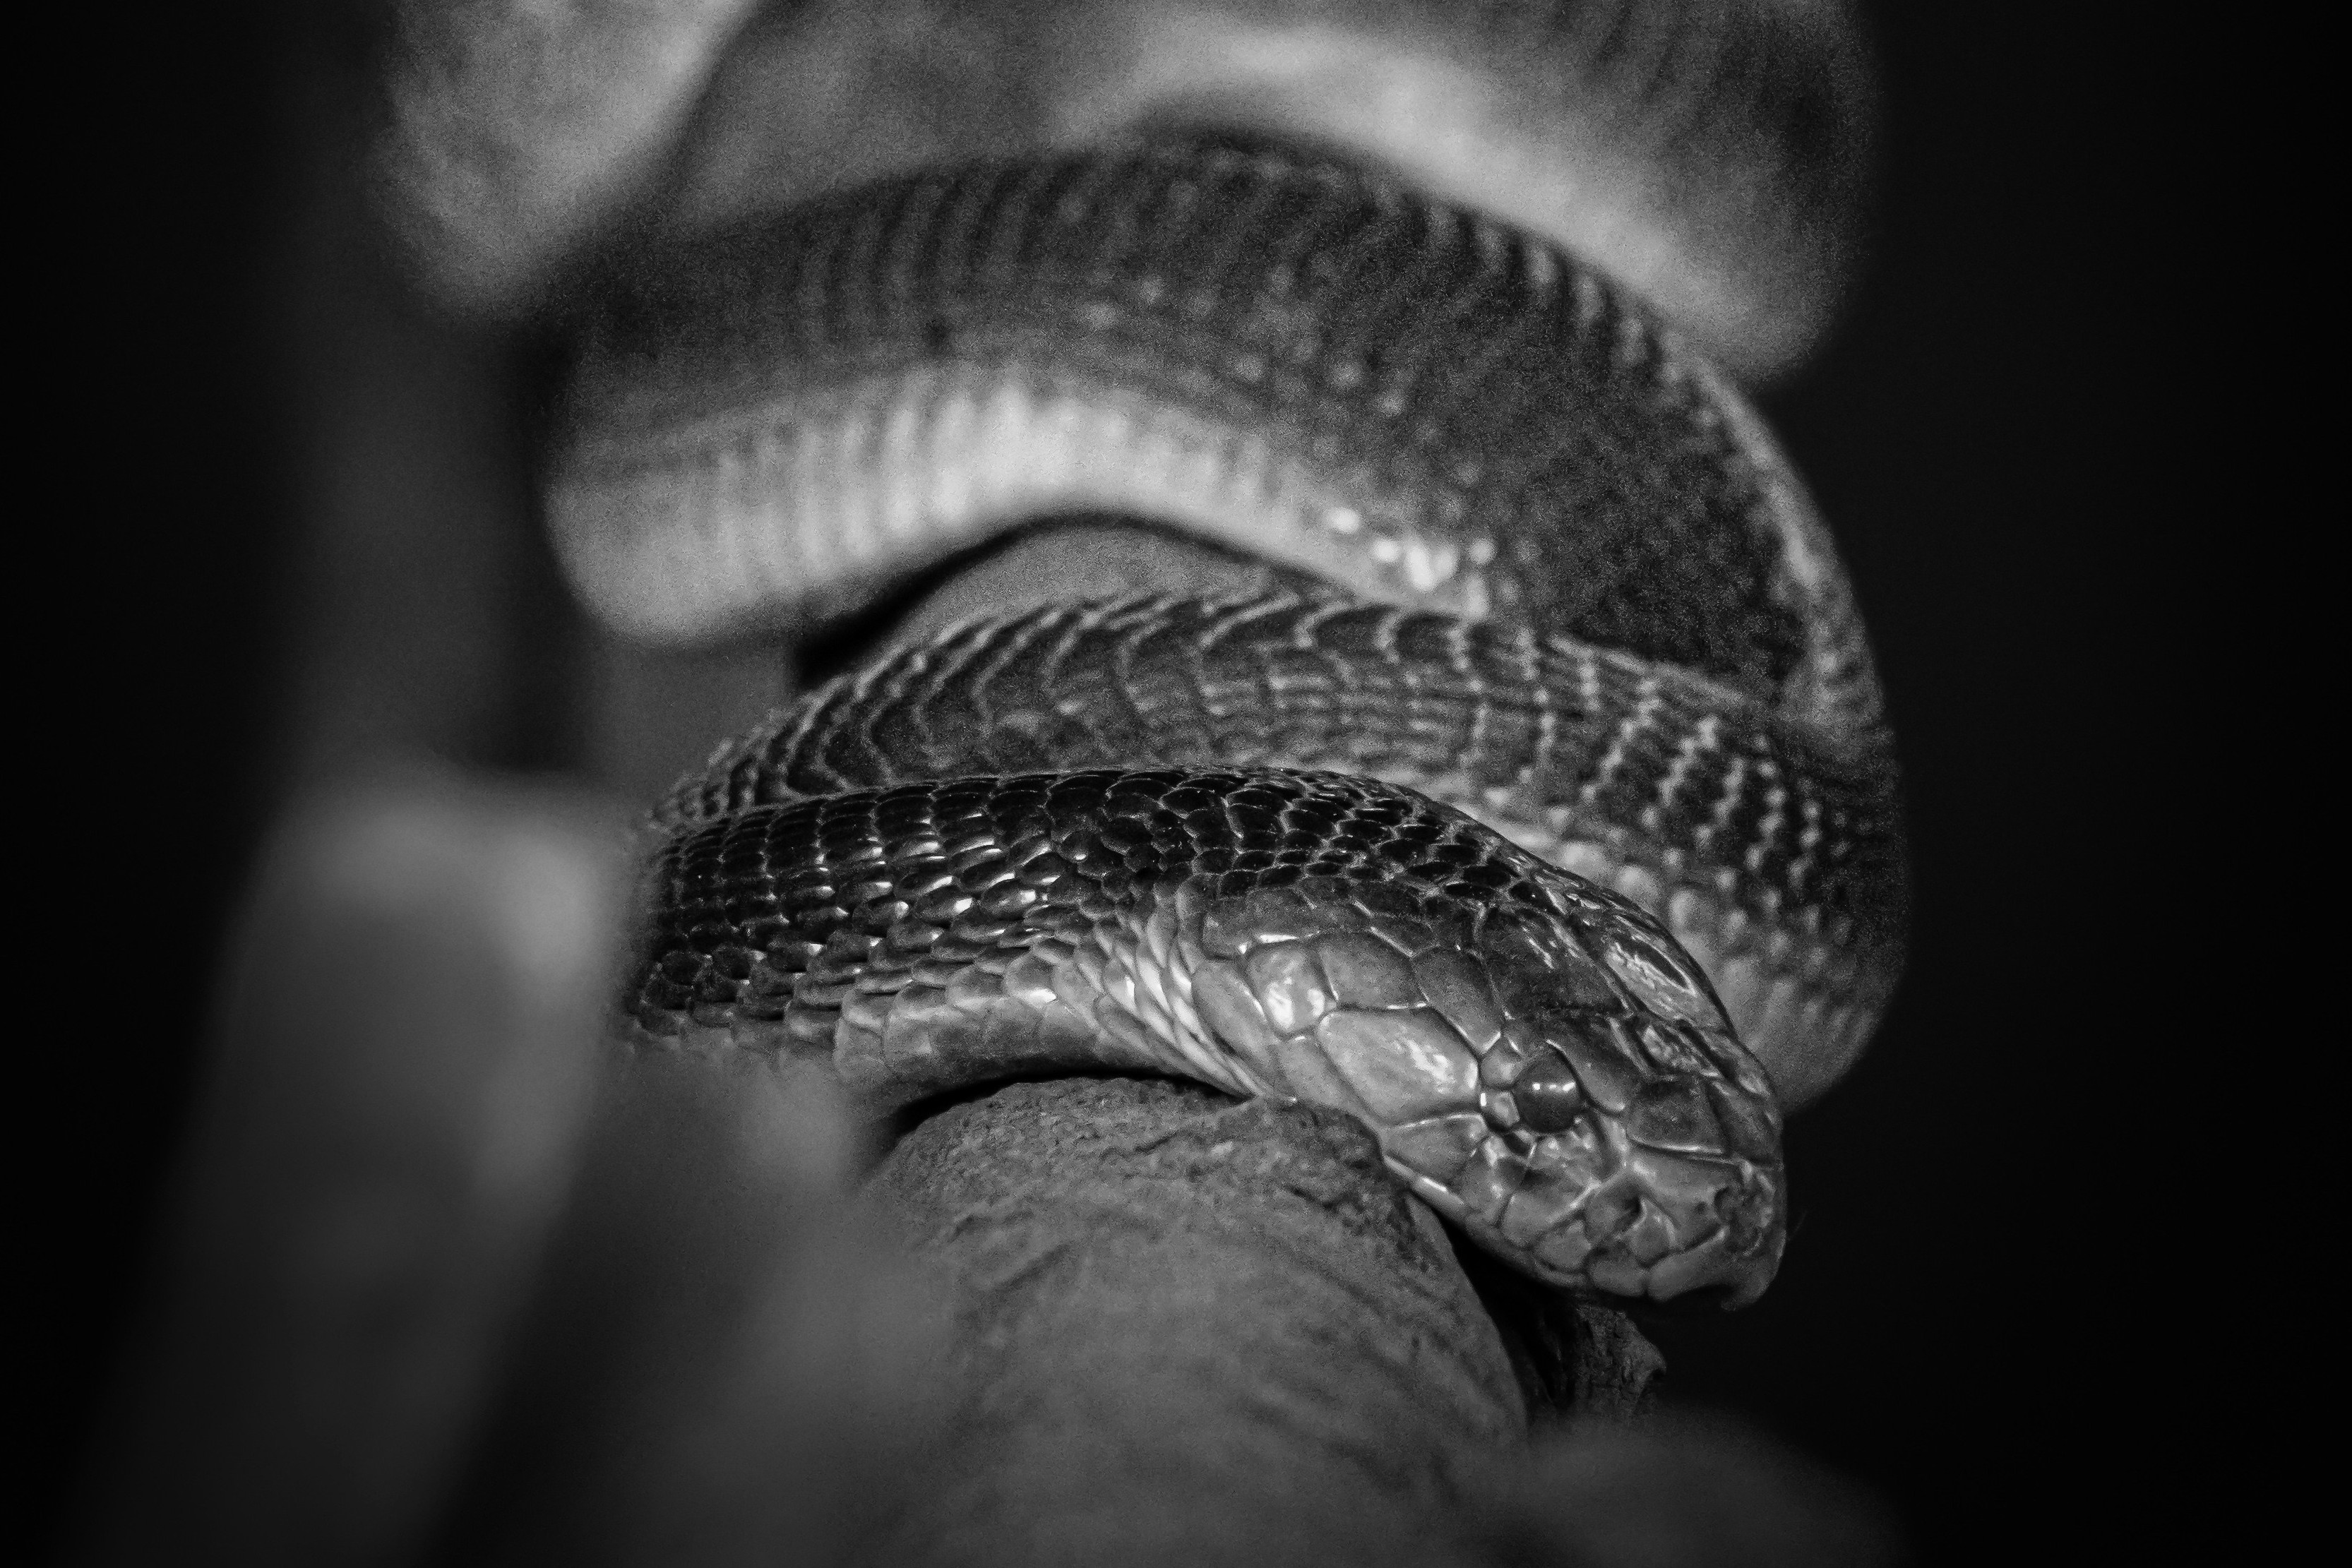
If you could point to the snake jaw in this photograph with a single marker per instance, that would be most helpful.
(1625, 1154)
(1656, 1227)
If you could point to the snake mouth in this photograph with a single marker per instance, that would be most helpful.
(1662, 1227)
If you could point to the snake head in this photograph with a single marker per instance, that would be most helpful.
(1556, 1077)
(1658, 1181)
(1620, 1140)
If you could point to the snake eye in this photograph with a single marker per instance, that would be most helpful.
(1547, 1095)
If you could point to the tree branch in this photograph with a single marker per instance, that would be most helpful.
(1191, 1330)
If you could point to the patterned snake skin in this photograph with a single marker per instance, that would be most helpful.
(1533, 806)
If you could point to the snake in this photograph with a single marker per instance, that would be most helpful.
(1504, 765)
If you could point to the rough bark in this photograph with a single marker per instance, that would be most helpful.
(1189, 1329)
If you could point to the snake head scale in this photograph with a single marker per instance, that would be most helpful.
(1559, 1081)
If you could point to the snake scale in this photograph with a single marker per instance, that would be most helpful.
(1513, 776)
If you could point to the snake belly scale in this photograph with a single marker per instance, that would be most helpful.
(1537, 810)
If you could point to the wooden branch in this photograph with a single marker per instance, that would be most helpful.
(1189, 1329)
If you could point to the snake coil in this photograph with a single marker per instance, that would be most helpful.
(1461, 719)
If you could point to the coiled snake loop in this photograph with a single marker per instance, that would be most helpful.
(1500, 762)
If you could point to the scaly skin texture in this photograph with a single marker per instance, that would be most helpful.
(1411, 402)
(1708, 153)
(1777, 867)
(1634, 652)
(1537, 1057)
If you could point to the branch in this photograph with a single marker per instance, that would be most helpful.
(1189, 1329)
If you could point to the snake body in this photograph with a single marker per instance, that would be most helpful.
(1534, 804)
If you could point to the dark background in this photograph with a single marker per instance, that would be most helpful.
(1953, 1324)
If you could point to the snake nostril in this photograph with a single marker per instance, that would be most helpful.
(1548, 1096)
